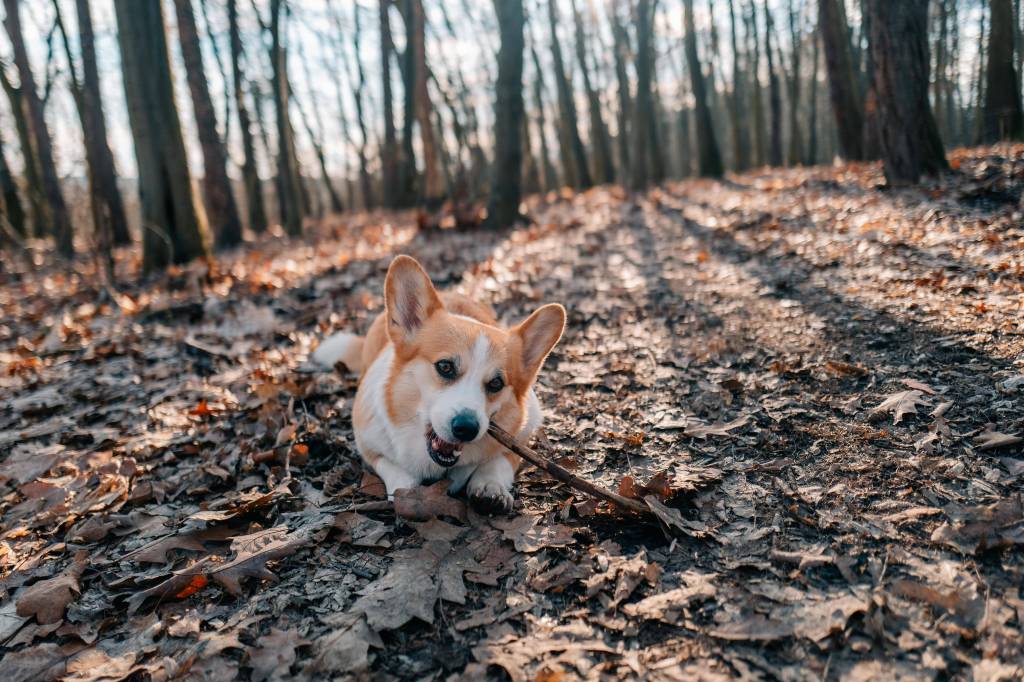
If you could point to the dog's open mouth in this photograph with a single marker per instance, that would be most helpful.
(441, 451)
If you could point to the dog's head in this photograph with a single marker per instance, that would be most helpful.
(453, 374)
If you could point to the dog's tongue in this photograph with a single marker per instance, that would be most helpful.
(441, 445)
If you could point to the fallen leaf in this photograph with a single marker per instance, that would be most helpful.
(274, 654)
(343, 650)
(990, 439)
(673, 519)
(668, 606)
(529, 535)
(900, 404)
(704, 430)
(426, 502)
(48, 599)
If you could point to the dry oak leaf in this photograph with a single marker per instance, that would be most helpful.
(274, 654)
(705, 430)
(47, 599)
(345, 649)
(417, 579)
(529, 535)
(900, 404)
(425, 502)
(990, 439)
(667, 606)
(254, 551)
(976, 529)
(673, 519)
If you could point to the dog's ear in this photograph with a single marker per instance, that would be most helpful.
(410, 298)
(536, 336)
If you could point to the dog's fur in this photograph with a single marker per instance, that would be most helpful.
(404, 408)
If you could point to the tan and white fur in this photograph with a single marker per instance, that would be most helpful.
(436, 370)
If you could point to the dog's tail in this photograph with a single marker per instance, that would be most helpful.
(341, 347)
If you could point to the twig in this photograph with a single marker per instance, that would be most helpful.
(562, 474)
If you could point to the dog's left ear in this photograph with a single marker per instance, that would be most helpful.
(537, 335)
(410, 299)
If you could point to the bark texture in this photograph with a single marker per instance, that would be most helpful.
(910, 142)
(1003, 119)
(847, 102)
(709, 158)
(567, 108)
(174, 228)
(257, 213)
(503, 205)
(221, 209)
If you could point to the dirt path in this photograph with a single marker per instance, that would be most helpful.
(827, 380)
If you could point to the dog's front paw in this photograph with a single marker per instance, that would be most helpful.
(491, 498)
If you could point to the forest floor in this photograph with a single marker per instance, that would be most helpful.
(825, 378)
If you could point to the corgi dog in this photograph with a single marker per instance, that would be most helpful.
(435, 371)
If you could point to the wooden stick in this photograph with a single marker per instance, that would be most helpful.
(564, 475)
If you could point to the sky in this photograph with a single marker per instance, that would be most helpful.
(322, 59)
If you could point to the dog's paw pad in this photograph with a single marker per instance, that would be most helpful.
(492, 500)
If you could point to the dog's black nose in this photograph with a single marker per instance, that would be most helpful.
(465, 426)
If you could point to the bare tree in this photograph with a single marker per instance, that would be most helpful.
(250, 173)
(503, 205)
(755, 79)
(567, 107)
(95, 130)
(10, 205)
(433, 186)
(709, 158)
(30, 160)
(847, 102)
(550, 174)
(910, 140)
(1003, 118)
(365, 183)
(293, 204)
(604, 167)
(174, 228)
(220, 202)
(59, 221)
(774, 94)
(740, 138)
(620, 41)
(795, 152)
(389, 149)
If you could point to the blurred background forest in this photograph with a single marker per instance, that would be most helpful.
(233, 117)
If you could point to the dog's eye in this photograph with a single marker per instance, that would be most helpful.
(445, 368)
(495, 384)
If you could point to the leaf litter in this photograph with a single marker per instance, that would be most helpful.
(814, 386)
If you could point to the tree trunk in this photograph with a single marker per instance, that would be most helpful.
(389, 151)
(503, 205)
(10, 204)
(847, 105)
(604, 168)
(174, 228)
(709, 158)
(59, 221)
(407, 169)
(620, 40)
(639, 178)
(910, 142)
(33, 182)
(774, 94)
(756, 89)
(550, 174)
(365, 182)
(1003, 118)
(740, 139)
(250, 174)
(433, 184)
(221, 209)
(795, 154)
(567, 107)
(95, 130)
(291, 199)
(812, 114)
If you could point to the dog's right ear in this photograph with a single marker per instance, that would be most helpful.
(410, 299)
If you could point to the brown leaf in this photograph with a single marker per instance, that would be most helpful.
(529, 535)
(344, 649)
(254, 553)
(704, 430)
(426, 502)
(274, 654)
(990, 439)
(900, 404)
(47, 599)
(667, 606)
(673, 519)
